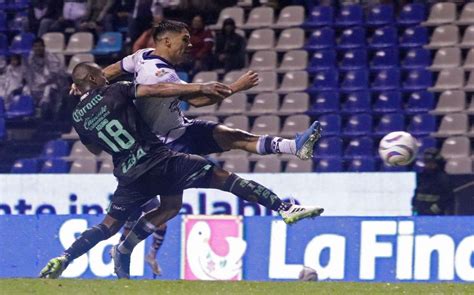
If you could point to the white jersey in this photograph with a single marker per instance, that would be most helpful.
(163, 115)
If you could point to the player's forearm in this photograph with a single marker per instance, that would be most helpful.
(113, 71)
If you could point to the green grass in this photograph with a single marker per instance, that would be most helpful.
(91, 287)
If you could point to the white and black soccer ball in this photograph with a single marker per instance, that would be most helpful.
(308, 274)
(398, 148)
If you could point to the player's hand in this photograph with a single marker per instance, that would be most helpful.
(215, 90)
(247, 81)
(74, 90)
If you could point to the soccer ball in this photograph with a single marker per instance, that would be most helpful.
(308, 274)
(398, 148)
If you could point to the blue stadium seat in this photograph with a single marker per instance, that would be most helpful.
(26, 166)
(384, 58)
(358, 125)
(2, 107)
(385, 168)
(20, 106)
(414, 37)
(357, 102)
(320, 16)
(328, 165)
(350, 15)
(18, 23)
(325, 102)
(416, 58)
(3, 129)
(389, 123)
(387, 79)
(22, 43)
(426, 143)
(419, 79)
(360, 147)
(328, 147)
(412, 14)
(325, 80)
(110, 42)
(322, 38)
(55, 166)
(18, 4)
(355, 80)
(3, 4)
(387, 102)
(418, 165)
(354, 59)
(353, 37)
(322, 59)
(331, 124)
(422, 124)
(420, 102)
(379, 15)
(3, 44)
(384, 37)
(3, 21)
(55, 149)
(362, 164)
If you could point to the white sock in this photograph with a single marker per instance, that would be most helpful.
(284, 146)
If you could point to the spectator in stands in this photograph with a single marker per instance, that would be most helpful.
(45, 78)
(73, 13)
(230, 47)
(146, 39)
(98, 17)
(139, 20)
(43, 14)
(11, 78)
(202, 41)
(433, 193)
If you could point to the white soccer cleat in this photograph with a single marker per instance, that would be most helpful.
(296, 212)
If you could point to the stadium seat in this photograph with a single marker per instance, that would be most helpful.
(295, 124)
(389, 123)
(290, 16)
(350, 15)
(419, 79)
(359, 147)
(453, 124)
(470, 82)
(441, 13)
(29, 166)
(416, 58)
(426, 142)
(380, 15)
(320, 16)
(22, 43)
(446, 58)
(322, 60)
(55, 166)
(468, 38)
(470, 108)
(3, 21)
(384, 58)
(235, 13)
(386, 79)
(265, 103)
(387, 102)
(456, 147)
(83, 166)
(467, 15)
(324, 80)
(450, 101)
(81, 42)
(294, 82)
(237, 165)
(358, 125)
(268, 82)
(20, 106)
(2, 107)
(354, 59)
(331, 124)
(449, 79)
(469, 61)
(355, 80)
(267, 165)
(328, 147)
(386, 168)
(259, 17)
(18, 4)
(361, 164)
(325, 102)
(79, 151)
(444, 36)
(353, 37)
(414, 37)
(412, 14)
(54, 42)
(55, 149)
(3, 44)
(294, 103)
(264, 60)
(78, 58)
(422, 124)
(329, 165)
(268, 124)
(237, 122)
(384, 37)
(357, 102)
(299, 166)
(109, 43)
(234, 104)
(294, 60)
(261, 39)
(322, 38)
(106, 167)
(205, 76)
(459, 166)
(3, 129)
(290, 39)
(420, 102)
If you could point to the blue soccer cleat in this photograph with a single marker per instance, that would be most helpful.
(121, 263)
(305, 141)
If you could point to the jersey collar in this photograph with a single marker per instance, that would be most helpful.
(149, 55)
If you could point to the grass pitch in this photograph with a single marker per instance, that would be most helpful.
(90, 287)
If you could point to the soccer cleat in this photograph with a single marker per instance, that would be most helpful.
(155, 267)
(305, 141)
(54, 268)
(296, 212)
(121, 263)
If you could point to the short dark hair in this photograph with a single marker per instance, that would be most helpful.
(39, 40)
(81, 72)
(168, 26)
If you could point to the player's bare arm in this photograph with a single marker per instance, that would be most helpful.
(248, 80)
(212, 90)
(113, 71)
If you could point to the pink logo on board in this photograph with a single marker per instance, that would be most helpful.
(212, 248)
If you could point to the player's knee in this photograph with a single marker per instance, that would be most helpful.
(219, 177)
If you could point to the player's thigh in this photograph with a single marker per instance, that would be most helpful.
(127, 202)
(229, 138)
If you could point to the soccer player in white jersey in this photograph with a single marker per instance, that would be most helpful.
(155, 65)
